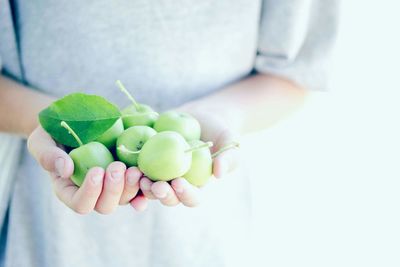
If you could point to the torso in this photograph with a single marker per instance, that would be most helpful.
(166, 53)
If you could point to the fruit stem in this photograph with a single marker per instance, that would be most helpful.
(72, 132)
(141, 114)
(207, 144)
(225, 148)
(127, 150)
(123, 89)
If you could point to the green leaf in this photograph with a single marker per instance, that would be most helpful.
(88, 115)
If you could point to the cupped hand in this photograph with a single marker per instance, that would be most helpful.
(102, 190)
(214, 129)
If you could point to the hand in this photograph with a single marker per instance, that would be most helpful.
(214, 129)
(102, 190)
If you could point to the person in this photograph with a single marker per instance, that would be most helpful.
(237, 66)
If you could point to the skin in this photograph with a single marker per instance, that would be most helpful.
(230, 113)
(253, 104)
(180, 122)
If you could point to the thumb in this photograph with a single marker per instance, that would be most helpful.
(225, 163)
(226, 156)
(49, 156)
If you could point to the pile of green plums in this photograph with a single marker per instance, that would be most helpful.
(163, 146)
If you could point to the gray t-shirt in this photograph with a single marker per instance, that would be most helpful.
(166, 52)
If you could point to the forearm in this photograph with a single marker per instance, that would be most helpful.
(254, 103)
(19, 107)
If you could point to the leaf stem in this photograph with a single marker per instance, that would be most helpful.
(72, 132)
(207, 144)
(225, 148)
(127, 150)
(123, 89)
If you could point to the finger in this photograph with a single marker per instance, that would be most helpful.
(50, 157)
(164, 192)
(64, 189)
(224, 138)
(139, 203)
(82, 200)
(225, 163)
(145, 186)
(186, 193)
(132, 177)
(113, 186)
(225, 160)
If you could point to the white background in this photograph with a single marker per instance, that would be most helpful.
(326, 181)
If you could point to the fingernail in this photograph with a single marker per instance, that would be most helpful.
(116, 176)
(97, 179)
(145, 185)
(178, 189)
(160, 194)
(132, 179)
(59, 166)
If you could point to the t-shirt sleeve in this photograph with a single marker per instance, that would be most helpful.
(9, 145)
(295, 40)
(9, 59)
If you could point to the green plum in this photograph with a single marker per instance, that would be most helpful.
(180, 122)
(202, 161)
(131, 141)
(136, 114)
(109, 137)
(93, 154)
(165, 156)
(201, 168)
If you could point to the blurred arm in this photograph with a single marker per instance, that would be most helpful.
(19, 107)
(252, 104)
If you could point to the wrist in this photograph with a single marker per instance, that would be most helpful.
(40, 103)
(19, 107)
(229, 118)
(31, 121)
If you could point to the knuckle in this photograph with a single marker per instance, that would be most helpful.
(44, 160)
(113, 191)
(91, 193)
(94, 171)
(47, 158)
